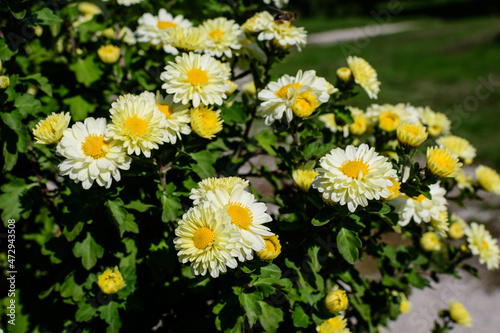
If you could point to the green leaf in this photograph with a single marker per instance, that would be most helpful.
(123, 219)
(27, 104)
(71, 235)
(109, 313)
(171, 208)
(300, 318)
(270, 317)
(46, 16)
(10, 199)
(12, 119)
(5, 52)
(205, 161)
(71, 289)
(79, 107)
(86, 70)
(138, 206)
(415, 279)
(89, 251)
(324, 216)
(237, 113)
(85, 311)
(316, 149)
(348, 243)
(250, 304)
(267, 140)
(41, 81)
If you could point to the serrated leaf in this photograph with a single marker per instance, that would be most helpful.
(123, 220)
(267, 140)
(71, 235)
(324, 216)
(270, 316)
(109, 313)
(70, 288)
(348, 243)
(86, 70)
(300, 318)
(89, 251)
(79, 107)
(41, 81)
(250, 304)
(12, 119)
(46, 16)
(85, 312)
(27, 104)
(236, 113)
(138, 206)
(171, 208)
(10, 199)
(204, 163)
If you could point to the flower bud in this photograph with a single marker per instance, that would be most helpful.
(272, 249)
(336, 301)
(110, 281)
(430, 242)
(109, 54)
(344, 74)
(4, 82)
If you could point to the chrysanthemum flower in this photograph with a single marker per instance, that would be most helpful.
(110, 282)
(186, 39)
(127, 2)
(196, 78)
(88, 10)
(279, 97)
(405, 305)
(305, 104)
(441, 224)
(430, 242)
(284, 35)
(411, 135)
(177, 115)
(4, 82)
(198, 194)
(353, 176)
(90, 155)
(482, 244)
(344, 74)
(488, 179)
(459, 146)
(137, 122)
(272, 249)
(222, 36)
(247, 215)
(50, 130)
(207, 240)
(393, 190)
(336, 301)
(364, 75)
(109, 54)
(437, 123)
(459, 314)
(442, 162)
(464, 180)
(457, 227)
(125, 33)
(361, 121)
(257, 23)
(389, 117)
(277, 3)
(421, 208)
(206, 122)
(333, 325)
(304, 177)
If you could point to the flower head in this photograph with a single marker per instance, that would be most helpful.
(393, 190)
(457, 227)
(405, 305)
(304, 177)
(440, 223)
(138, 122)
(344, 74)
(110, 281)
(207, 240)
(4, 82)
(389, 116)
(437, 123)
(90, 155)
(272, 249)
(50, 130)
(430, 242)
(206, 122)
(442, 162)
(459, 314)
(305, 104)
(222, 36)
(336, 301)
(488, 179)
(198, 194)
(109, 54)
(364, 75)
(333, 325)
(411, 135)
(459, 146)
(196, 78)
(482, 244)
(353, 176)
(186, 39)
(464, 180)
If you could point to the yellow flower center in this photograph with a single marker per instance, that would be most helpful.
(165, 25)
(136, 126)
(215, 34)
(94, 146)
(240, 215)
(305, 104)
(197, 76)
(389, 121)
(485, 245)
(284, 90)
(166, 109)
(420, 198)
(354, 169)
(203, 237)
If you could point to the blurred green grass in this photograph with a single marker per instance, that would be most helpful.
(438, 64)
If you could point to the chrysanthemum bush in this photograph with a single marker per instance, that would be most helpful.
(162, 180)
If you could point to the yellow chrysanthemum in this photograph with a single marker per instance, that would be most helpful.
(440, 223)
(459, 146)
(405, 305)
(437, 123)
(206, 122)
(411, 135)
(333, 325)
(464, 180)
(197, 78)
(482, 244)
(110, 281)
(109, 54)
(488, 179)
(50, 130)
(344, 74)
(364, 75)
(336, 301)
(272, 249)
(305, 104)
(459, 314)
(88, 10)
(442, 162)
(430, 242)
(4, 82)
(304, 177)
(249, 88)
(360, 125)
(137, 121)
(393, 189)
(457, 227)
(186, 39)
(198, 194)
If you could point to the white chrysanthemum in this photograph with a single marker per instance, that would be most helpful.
(247, 215)
(207, 240)
(482, 244)
(284, 34)
(186, 39)
(258, 23)
(90, 157)
(277, 3)
(459, 146)
(389, 117)
(177, 116)
(196, 78)
(222, 36)
(364, 75)
(126, 2)
(353, 176)
(155, 29)
(198, 194)
(437, 123)
(280, 96)
(421, 208)
(137, 122)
